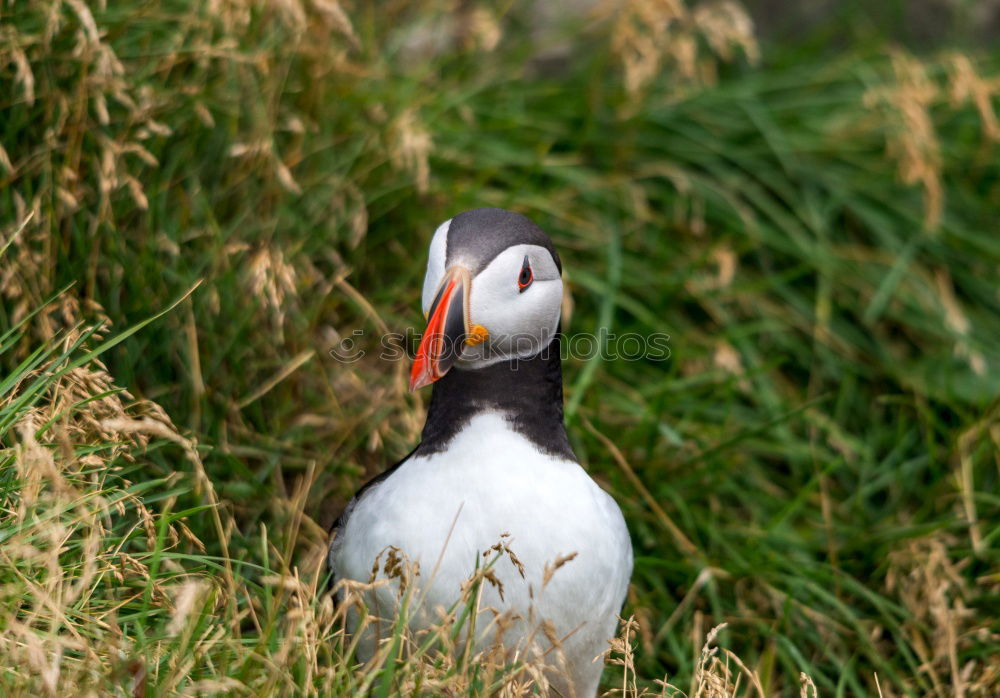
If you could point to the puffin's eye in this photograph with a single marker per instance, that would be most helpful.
(525, 278)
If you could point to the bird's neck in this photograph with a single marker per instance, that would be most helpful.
(528, 392)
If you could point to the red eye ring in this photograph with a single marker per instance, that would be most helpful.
(526, 276)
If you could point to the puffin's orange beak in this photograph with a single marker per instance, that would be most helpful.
(447, 330)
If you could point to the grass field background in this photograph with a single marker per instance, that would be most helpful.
(199, 200)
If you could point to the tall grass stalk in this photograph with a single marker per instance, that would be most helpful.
(813, 471)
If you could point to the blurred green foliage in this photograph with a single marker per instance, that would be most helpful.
(817, 235)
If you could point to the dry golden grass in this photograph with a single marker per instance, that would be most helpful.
(82, 548)
(650, 37)
(83, 552)
(907, 119)
(167, 538)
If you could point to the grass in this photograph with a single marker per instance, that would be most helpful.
(814, 469)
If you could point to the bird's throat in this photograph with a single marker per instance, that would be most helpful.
(528, 392)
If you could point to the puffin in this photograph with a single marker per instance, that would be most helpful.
(494, 469)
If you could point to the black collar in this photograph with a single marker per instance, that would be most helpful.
(528, 392)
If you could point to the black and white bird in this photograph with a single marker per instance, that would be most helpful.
(494, 457)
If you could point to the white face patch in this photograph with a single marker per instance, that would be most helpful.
(520, 323)
(435, 265)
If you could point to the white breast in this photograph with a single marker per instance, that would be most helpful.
(444, 510)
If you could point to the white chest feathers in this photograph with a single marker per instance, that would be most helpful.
(443, 511)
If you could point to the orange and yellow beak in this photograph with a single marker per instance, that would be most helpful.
(447, 331)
